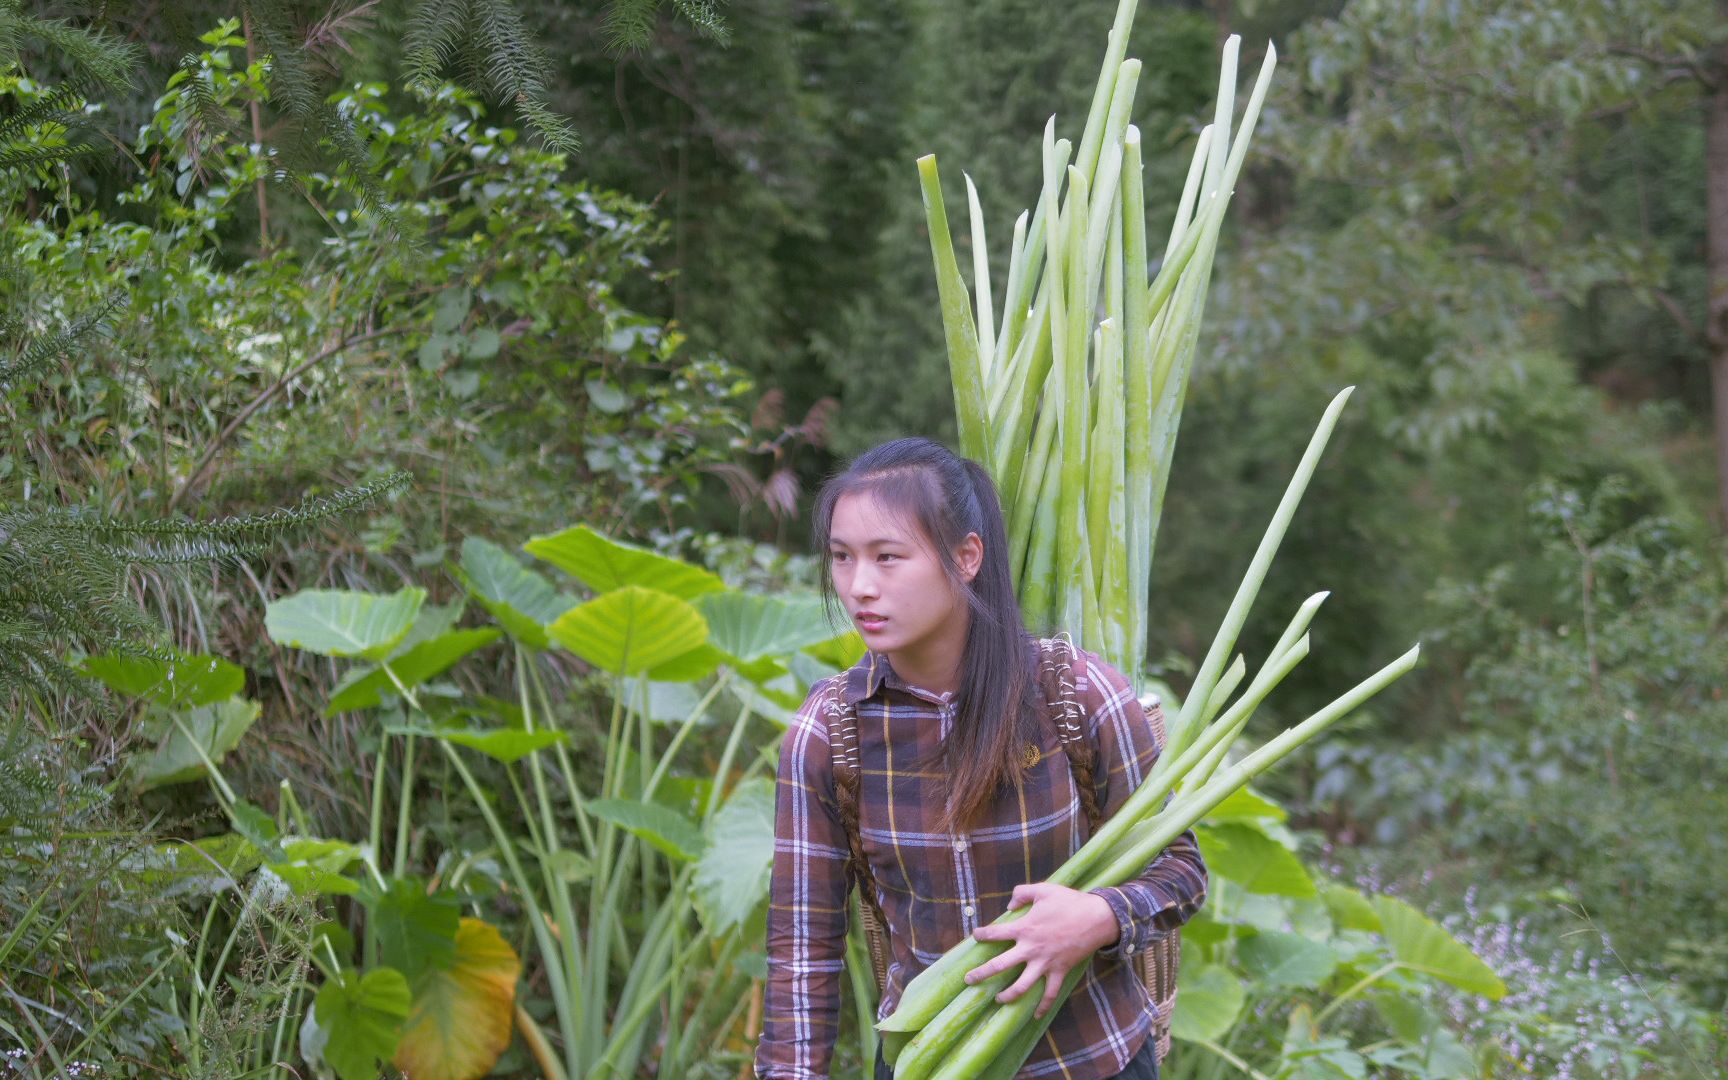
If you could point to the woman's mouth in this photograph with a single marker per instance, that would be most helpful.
(869, 621)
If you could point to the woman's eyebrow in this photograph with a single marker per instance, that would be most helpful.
(878, 542)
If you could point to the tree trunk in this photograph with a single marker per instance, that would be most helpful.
(1716, 212)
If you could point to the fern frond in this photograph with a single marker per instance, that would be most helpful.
(628, 24)
(49, 129)
(97, 58)
(517, 71)
(12, 24)
(27, 781)
(344, 140)
(294, 85)
(704, 15)
(435, 32)
(56, 345)
(187, 541)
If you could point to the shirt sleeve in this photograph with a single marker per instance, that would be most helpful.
(807, 909)
(1172, 887)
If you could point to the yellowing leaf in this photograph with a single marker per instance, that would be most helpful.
(461, 1018)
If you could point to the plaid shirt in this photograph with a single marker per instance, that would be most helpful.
(936, 888)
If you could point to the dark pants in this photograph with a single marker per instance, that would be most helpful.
(1142, 1066)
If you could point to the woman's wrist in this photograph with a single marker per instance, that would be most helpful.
(1103, 929)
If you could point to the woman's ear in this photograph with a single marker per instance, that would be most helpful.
(969, 556)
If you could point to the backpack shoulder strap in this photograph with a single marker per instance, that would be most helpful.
(842, 718)
(1057, 657)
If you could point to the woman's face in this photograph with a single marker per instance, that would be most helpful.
(891, 579)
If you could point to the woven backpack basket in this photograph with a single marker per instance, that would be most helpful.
(1156, 965)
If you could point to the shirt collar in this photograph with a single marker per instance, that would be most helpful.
(868, 677)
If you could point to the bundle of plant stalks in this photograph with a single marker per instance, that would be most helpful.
(1073, 400)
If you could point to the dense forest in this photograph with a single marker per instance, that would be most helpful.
(366, 365)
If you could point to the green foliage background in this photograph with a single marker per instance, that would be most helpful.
(666, 270)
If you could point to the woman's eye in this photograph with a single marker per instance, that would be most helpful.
(837, 556)
(885, 556)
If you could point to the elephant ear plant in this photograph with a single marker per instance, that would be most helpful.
(643, 893)
(1076, 418)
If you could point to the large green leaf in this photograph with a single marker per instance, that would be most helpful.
(415, 929)
(1242, 854)
(1245, 804)
(1209, 999)
(216, 728)
(698, 663)
(336, 622)
(751, 626)
(313, 867)
(210, 864)
(433, 620)
(665, 828)
(1421, 945)
(630, 630)
(355, 1022)
(183, 682)
(1350, 910)
(732, 875)
(522, 601)
(366, 687)
(500, 744)
(840, 652)
(1280, 959)
(462, 1016)
(604, 564)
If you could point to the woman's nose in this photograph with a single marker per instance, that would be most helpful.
(863, 584)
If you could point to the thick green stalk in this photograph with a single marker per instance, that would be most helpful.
(1028, 496)
(1015, 423)
(1115, 48)
(1039, 584)
(1226, 686)
(975, 1055)
(958, 329)
(1020, 1042)
(986, 310)
(930, 1047)
(1108, 507)
(1070, 530)
(1013, 312)
(1137, 389)
(1190, 191)
(1182, 814)
(1149, 796)
(1224, 113)
(1187, 724)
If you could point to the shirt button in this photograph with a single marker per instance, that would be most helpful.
(967, 911)
(959, 845)
(1128, 950)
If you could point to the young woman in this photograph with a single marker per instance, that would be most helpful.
(966, 800)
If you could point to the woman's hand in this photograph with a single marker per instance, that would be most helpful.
(1063, 929)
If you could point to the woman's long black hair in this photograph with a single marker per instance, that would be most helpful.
(947, 497)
